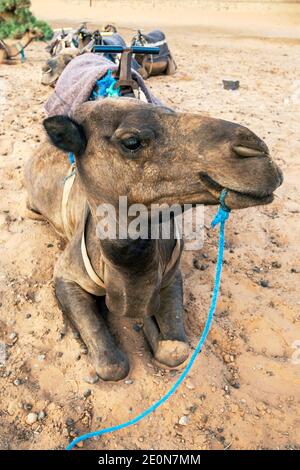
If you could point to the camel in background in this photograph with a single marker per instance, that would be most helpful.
(10, 52)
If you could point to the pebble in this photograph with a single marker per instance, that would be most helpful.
(87, 393)
(13, 336)
(41, 415)
(264, 283)
(129, 381)
(198, 265)
(292, 207)
(62, 334)
(189, 384)
(31, 418)
(91, 378)
(256, 269)
(41, 357)
(27, 406)
(276, 265)
(184, 420)
(17, 382)
(227, 358)
(70, 422)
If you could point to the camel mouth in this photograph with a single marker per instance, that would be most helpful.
(49, 78)
(248, 197)
(48, 71)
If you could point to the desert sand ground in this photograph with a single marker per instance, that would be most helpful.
(244, 391)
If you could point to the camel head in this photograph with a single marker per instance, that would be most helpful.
(34, 34)
(109, 28)
(151, 154)
(54, 67)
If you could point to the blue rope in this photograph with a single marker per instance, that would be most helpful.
(71, 158)
(105, 87)
(220, 218)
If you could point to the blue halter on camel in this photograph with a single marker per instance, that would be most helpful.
(107, 85)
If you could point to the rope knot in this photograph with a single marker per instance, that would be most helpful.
(220, 217)
(223, 212)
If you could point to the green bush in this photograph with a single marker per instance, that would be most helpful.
(13, 6)
(15, 18)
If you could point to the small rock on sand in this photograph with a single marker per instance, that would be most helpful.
(184, 420)
(87, 393)
(31, 418)
(91, 378)
(41, 415)
(189, 384)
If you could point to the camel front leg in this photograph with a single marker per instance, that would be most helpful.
(165, 331)
(82, 310)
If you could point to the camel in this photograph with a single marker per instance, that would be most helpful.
(9, 52)
(76, 38)
(152, 155)
(110, 28)
(153, 65)
(54, 67)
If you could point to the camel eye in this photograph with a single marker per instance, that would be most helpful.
(132, 144)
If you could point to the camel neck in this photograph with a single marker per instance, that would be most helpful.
(25, 41)
(128, 252)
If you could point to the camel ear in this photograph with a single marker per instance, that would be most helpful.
(66, 134)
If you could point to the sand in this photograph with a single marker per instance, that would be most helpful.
(243, 392)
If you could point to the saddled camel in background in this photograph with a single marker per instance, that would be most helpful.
(152, 65)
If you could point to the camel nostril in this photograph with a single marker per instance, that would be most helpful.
(243, 151)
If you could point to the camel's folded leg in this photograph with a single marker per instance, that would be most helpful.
(9, 62)
(81, 308)
(171, 66)
(165, 333)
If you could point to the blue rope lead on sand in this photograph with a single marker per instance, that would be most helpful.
(220, 218)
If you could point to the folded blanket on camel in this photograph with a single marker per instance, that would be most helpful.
(77, 83)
